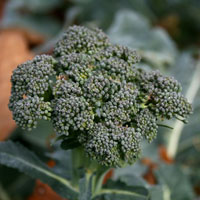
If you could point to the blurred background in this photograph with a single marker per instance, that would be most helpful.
(166, 34)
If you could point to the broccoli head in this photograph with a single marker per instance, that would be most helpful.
(93, 94)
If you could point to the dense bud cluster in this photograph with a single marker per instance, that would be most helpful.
(146, 123)
(78, 39)
(71, 112)
(26, 112)
(33, 77)
(31, 83)
(122, 107)
(165, 97)
(91, 92)
(112, 144)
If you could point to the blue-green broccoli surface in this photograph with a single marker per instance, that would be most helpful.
(92, 92)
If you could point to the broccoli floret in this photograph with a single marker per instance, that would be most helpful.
(92, 92)
(78, 39)
(122, 105)
(113, 145)
(31, 85)
(77, 67)
(71, 112)
(33, 78)
(146, 124)
(165, 99)
(28, 111)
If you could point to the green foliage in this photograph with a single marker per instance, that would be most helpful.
(102, 12)
(177, 187)
(187, 14)
(184, 14)
(63, 159)
(34, 137)
(34, 19)
(69, 143)
(154, 45)
(37, 6)
(16, 156)
(156, 192)
(127, 184)
(187, 72)
(118, 190)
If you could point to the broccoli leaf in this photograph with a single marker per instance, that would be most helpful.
(102, 11)
(37, 6)
(176, 182)
(16, 156)
(154, 44)
(47, 26)
(35, 137)
(118, 190)
(131, 175)
(69, 143)
(187, 71)
(130, 169)
(120, 194)
(63, 161)
(156, 192)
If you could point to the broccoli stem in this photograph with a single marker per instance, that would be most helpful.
(98, 180)
(81, 163)
(78, 159)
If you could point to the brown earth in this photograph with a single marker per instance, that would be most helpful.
(13, 51)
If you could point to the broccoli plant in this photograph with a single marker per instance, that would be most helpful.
(99, 102)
